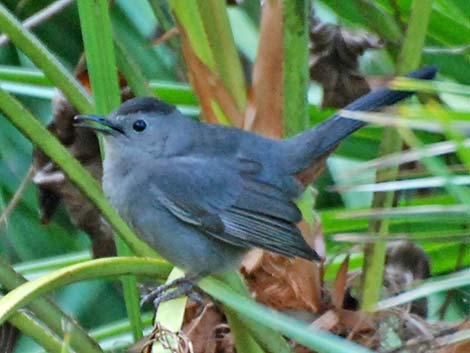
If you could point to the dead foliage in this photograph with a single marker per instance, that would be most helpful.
(406, 263)
(53, 185)
(264, 115)
(334, 61)
(282, 283)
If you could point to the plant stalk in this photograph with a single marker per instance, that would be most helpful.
(374, 257)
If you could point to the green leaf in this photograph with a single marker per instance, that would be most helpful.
(32, 328)
(99, 51)
(101, 63)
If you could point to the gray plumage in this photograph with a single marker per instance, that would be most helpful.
(201, 194)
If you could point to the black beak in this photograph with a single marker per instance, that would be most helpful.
(103, 125)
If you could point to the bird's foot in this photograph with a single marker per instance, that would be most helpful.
(175, 289)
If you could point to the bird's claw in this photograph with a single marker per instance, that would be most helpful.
(182, 286)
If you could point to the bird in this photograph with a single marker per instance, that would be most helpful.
(202, 195)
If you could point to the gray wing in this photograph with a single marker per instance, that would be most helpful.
(224, 199)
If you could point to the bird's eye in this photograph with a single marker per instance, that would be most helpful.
(139, 125)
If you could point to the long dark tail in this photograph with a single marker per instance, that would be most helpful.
(305, 147)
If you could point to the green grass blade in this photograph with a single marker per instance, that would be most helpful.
(213, 43)
(45, 60)
(30, 327)
(101, 63)
(435, 285)
(131, 71)
(51, 263)
(171, 92)
(104, 267)
(410, 55)
(438, 168)
(223, 48)
(99, 51)
(409, 84)
(23, 75)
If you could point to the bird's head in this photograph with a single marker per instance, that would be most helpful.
(139, 123)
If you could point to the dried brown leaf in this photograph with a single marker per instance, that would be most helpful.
(53, 185)
(282, 283)
(202, 330)
(334, 61)
(175, 342)
(356, 326)
(224, 341)
(328, 321)
(340, 285)
(264, 115)
(166, 36)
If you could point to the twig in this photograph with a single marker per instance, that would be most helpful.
(40, 17)
(16, 197)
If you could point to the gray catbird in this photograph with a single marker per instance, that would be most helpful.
(202, 195)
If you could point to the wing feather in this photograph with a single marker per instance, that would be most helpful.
(226, 201)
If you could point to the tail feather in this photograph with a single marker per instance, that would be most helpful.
(305, 147)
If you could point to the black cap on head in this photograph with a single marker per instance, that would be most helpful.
(144, 105)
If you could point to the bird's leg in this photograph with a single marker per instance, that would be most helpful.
(196, 296)
(163, 288)
(182, 286)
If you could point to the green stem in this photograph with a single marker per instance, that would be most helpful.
(30, 327)
(224, 51)
(101, 63)
(131, 71)
(410, 56)
(295, 66)
(409, 59)
(104, 267)
(99, 51)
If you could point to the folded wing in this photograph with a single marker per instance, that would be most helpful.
(223, 199)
